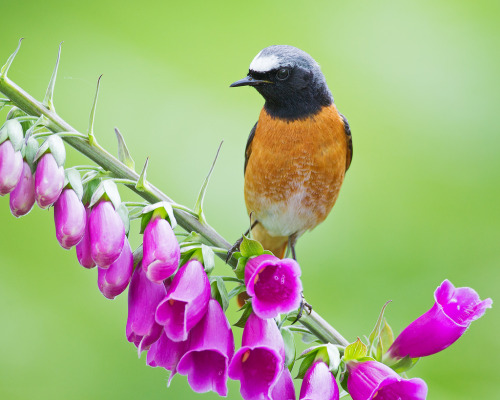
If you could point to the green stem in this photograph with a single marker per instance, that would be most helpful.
(185, 218)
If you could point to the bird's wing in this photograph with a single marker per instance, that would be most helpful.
(348, 136)
(248, 149)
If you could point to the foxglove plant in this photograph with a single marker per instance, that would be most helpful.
(22, 198)
(83, 249)
(273, 284)
(11, 160)
(186, 301)
(161, 251)
(319, 383)
(115, 279)
(284, 389)
(448, 319)
(70, 219)
(259, 362)
(211, 347)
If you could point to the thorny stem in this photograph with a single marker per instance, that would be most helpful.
(312, 321)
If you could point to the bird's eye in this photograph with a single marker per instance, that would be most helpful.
(282, 74)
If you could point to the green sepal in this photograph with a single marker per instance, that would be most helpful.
(290, 350)
(54, 145)
(142, 183)
(404, 364)
(30, 153)
(123, 212)
(355, 351)
(209, 260)
(219, 291)
(375, 333)
(386, 336)
(123, 153)
(165, 208)
(15, 113)
(250, 247)
(5, 68)
(73, 180)
(236, 291)
(239, 271)
(306, 364)
(89, 189)
(48, 101)
(109, 191)
(198, 207)
(13, 131)
(247, 310)
(328, 353)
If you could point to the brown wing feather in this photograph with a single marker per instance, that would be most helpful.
(248, 149)
(347, 130)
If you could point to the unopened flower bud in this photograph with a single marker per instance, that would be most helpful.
(49, 181)
(69, 218)
(22, 197)
(319, 383)
(11, 167)
(83, 247)
(114, 280)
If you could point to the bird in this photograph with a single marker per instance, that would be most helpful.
(297, 153)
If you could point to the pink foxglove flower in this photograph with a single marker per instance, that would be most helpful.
(319, 383)
(107, 234)
(447, 320)
(371, 380)
(70, 219)
(161, 250)
(273, 284)
(49, 181)
(211, 347)
(115, 279)
(11, 167)
(22, 198)
(259, 362)
(143, 298)
(83, 247)
(284, 389)
(186, 302)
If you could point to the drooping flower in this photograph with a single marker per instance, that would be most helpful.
(107, 234)
(284, 389)
(161, 250)
(167, 354)
(186, 301)
(69, 218)
(319, 383)
(273, 284)
(49, 181)
(143, 298)
(83, 251)
(447, 320)
(259, 362)
(22, 197)
(115, 279)
(211, 347)
(373, 380)
(11, 167)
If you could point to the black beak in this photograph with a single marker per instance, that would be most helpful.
(248, 81)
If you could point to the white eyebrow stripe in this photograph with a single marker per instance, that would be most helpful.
(264, 64)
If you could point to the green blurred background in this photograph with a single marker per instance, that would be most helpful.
(418, 81)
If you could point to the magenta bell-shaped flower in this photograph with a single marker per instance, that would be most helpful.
(447, 320)
(49, 181)
(161, 250)
(167, 354)
(186, 301)
(259, 362)
(115, 279)
(211, 347)
(107, 234)
(273, 284)
(11, 167)
(143, 298)
(373, 380)
(319, 383)
(69, 218)
(22, 197)
(284, 389)
(83, 247)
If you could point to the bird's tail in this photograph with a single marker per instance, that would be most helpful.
(276, 244)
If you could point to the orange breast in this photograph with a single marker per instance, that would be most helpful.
(295, 170)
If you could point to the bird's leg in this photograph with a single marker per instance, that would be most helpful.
(292, 240)
(236, 246)
(303, 305)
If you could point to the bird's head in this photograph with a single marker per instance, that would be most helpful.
(290, 81)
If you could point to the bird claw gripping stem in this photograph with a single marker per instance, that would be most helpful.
(303, 305)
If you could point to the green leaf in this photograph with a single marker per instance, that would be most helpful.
(30, 153)
(48, 101)
(305, 365)
(198, 207)
(123, 153)
(250, 247)
(333, 357)
(89, 189)
(13, 131)
(54, 145)
(236, 291)
(208, 259)
(122, 211)
(221, 292)
(26, 121)
(355, 350)
(239, 271)
(142, 184)
(290, 350)
(91, 136)
(247, 310)
(5, 68)
(404, 364)
(386, 336)
(73, 180)
(108, 188)
(376, 330)
(167, 208)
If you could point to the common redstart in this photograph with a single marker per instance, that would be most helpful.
(298, 151)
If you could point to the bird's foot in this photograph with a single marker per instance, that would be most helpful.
(234, 249)
(303, 305)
